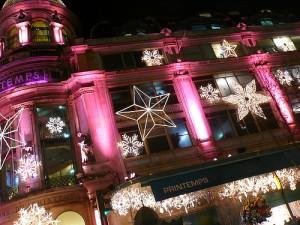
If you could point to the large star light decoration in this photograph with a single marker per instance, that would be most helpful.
(152, 57)
(35, 215)
(209, 93)
(130, 145)
(147, 111)
(227, 49)
(284, 77)
(8, 131)
(247, 99)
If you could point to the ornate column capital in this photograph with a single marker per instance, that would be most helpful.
(180, 69)
(24, 105)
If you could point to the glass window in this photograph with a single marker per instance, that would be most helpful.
(266, 45)
(284, 44)
(55, 139)
(179, 135)
(40, 32)
(12, 40)
(266, 22)
(232, 49)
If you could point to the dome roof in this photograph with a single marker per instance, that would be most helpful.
(11, 2)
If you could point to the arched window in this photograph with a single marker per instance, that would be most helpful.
(12, 40)
(70, 218)
(40, 32)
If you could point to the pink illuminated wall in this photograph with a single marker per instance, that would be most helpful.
(23, 32)
(267, 80)
(57, 33)
(190, 100)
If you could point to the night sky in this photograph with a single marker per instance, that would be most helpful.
(119, 11)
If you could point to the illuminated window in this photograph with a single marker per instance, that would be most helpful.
(40, 32)
(284, 44)
(68, 218)
(12, 40)
(56, 147)
(225, 49)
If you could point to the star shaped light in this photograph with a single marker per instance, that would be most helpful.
(227, 49)
(148, 112)
(247, 99)
(209, 93)
(284, 77)
(130, 145)
(152, 57)
(7, 135)
(35, 215)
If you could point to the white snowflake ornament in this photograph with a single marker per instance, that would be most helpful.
(247, 100)
(28, 167)
(284, 77)
(130, 145)
(209, 93)
(55, 125)
(152, 57)
(227, 49)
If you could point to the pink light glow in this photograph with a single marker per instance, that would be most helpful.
(57, 33)
(97, 217)
(267, 80)
(190, 100)
(23, 32)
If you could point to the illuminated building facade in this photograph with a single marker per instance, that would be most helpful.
(181, 122)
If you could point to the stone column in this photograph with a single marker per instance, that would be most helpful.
(188, 96)
(267, 80)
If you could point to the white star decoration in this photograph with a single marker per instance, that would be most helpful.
(227, 49)
(55, 125)
(7, 136)
(148, 112)
(130, 145)
(209, 93)
(247, 100)
(152, 57)
(284, 77)
(35, 215)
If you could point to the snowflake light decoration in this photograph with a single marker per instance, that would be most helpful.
(35, 215)
(55, 125)
(284, 77)
(147, 111)
(227, 49)
(130, 145)
(247, 100)
(152, 57)
(7, 133)
(260, 184)
(209, 93)
(136, 197)
(83, 150)
(28, 167)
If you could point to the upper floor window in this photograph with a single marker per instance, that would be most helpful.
(40, 32)
(56, 147)
(225, 49)
(284, 44)
(159, 138)
(12, 40)
(130, 60)
(266, 22)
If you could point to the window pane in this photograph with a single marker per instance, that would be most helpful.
(220, 125)
(158, 144)
(180, 135)
(56, 146)
(284, 44)
(112, 62)
(244, 126)
(223, 86)
(270, 122)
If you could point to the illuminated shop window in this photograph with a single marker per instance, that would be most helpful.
(223, 120)
(12, 40)
(284, 44)
(55, 140)
(160, 138)
(40, 32)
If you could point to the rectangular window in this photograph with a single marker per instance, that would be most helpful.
(55, 140)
